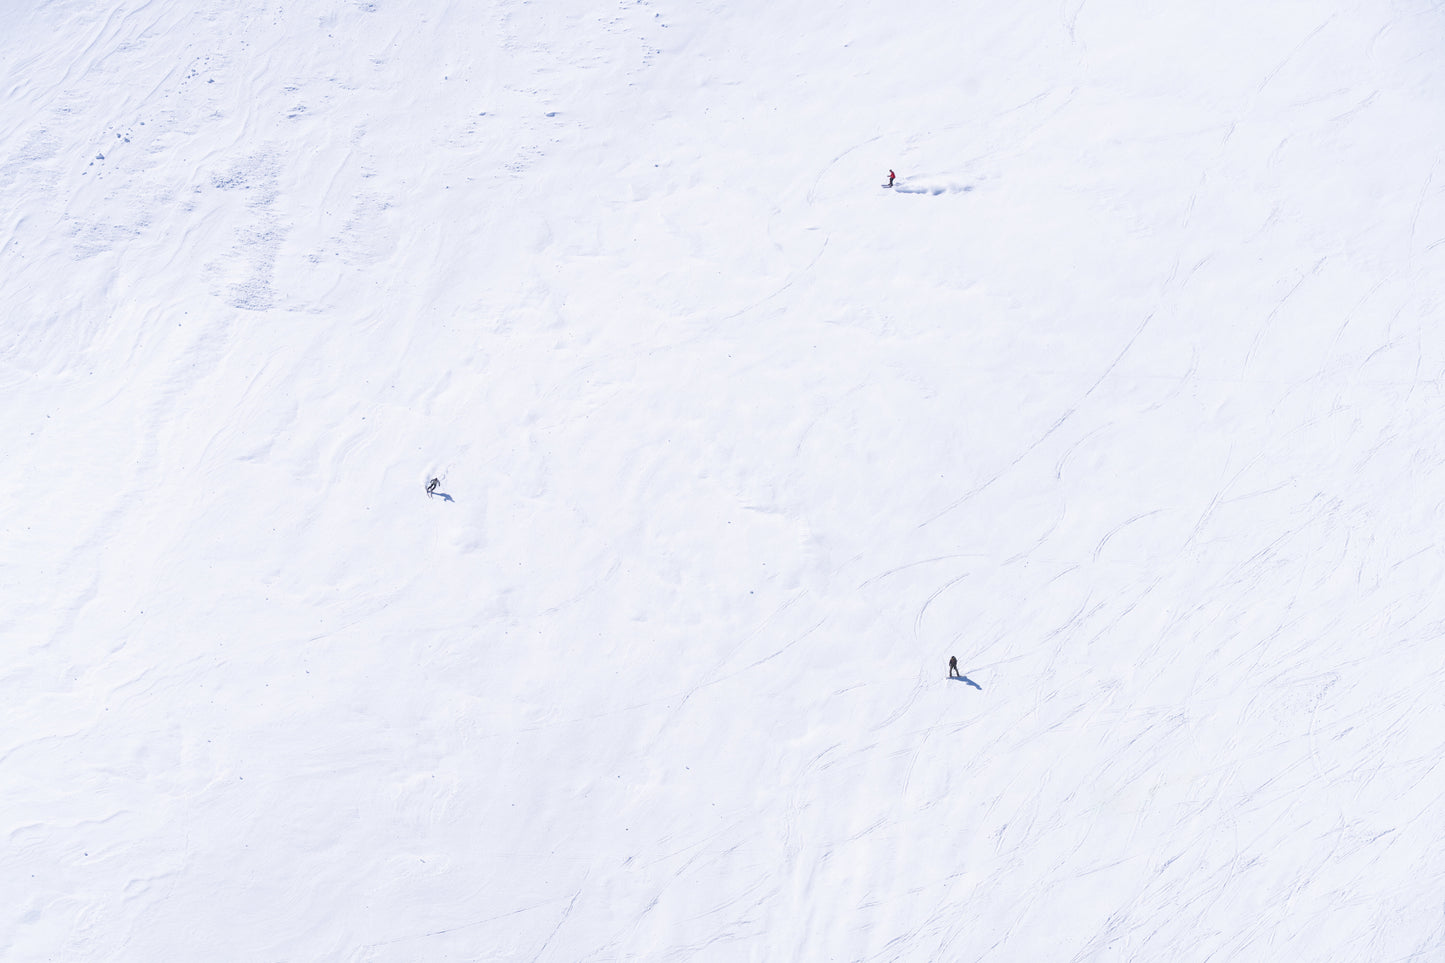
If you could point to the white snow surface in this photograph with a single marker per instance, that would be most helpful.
(1129, 395)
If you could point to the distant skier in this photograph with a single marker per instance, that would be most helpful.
(431, 487)
(953, 667)
(891, 175)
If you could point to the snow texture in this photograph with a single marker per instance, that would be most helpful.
(1128, 394)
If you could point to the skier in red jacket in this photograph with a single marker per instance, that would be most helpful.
(891, 175)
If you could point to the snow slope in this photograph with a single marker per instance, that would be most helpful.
(1128, 395)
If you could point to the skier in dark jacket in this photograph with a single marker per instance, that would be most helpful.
(953, 667)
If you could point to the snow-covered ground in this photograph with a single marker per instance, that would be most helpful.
(1129, 395)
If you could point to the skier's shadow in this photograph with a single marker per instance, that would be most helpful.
(964, 678)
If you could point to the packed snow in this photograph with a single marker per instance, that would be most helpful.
(1128, 394)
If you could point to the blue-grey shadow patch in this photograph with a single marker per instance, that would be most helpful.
(931, 187)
